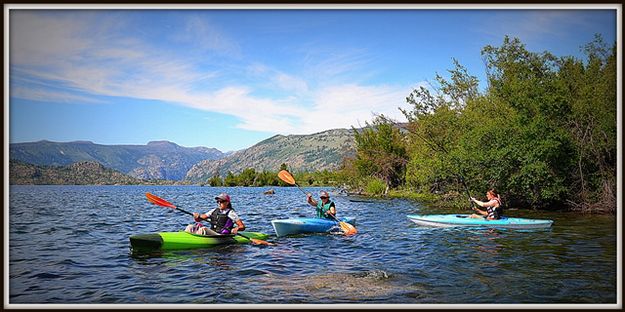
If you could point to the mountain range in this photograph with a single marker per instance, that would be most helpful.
(164, 160)
(78, 173)
(320, 151)
(156, 160)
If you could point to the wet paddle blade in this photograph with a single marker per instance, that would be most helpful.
(347, 228)
(261, 242)
(159, 201)
(286, 177)
(256, 241)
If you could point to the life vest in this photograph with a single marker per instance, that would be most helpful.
(494, 212)
(220, 222)
(323, 209)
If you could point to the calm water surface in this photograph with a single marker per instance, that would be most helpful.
(69, 244)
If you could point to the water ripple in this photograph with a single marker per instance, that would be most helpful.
(82, 255)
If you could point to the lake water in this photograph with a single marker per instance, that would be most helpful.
(69, 245)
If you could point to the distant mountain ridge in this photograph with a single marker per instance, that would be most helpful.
(318, 151)
(79, 173)
(156, 160)
(164, 160)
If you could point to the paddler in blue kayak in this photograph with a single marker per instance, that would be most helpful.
(326, 208)
(493, 210)
(222, 219)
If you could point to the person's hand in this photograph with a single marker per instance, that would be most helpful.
(308, 196)
(234, 231)
(196, 216)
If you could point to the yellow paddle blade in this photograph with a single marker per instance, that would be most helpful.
(347, 228)
(286, 177)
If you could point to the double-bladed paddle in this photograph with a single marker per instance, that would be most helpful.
(347, 228)
(163, 203)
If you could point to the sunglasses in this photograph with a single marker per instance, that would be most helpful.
(323, 197)
(219, 201)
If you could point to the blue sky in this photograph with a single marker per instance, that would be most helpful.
(229, 78)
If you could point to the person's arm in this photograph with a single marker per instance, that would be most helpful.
(482, 212)
(198, 217)
(310, 200)
(240, 227)
(480, 203)
(235, 218)
(491, 203)
(478, 210)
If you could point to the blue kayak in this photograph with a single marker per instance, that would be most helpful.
(451, 220)
(307, 225)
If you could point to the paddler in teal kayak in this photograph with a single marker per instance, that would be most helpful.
(326, 208)
(493, 206)
(222, 219)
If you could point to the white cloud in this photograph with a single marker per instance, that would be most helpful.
(104, 62)
(344, 106)
(291, 83)
(45, 95)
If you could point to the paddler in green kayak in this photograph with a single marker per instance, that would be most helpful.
(222, 219)
(326, 208)
(493, 210)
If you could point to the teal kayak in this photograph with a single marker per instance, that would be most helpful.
(184, 240)
(307, 225)
(451, 220)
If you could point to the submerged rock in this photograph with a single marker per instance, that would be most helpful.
(348, 287)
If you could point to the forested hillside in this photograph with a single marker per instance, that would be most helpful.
(80, 173)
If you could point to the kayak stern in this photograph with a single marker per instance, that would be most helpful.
(146, 241)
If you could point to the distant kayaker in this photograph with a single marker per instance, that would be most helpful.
(222, 219)
(492, 206)
(325, 208)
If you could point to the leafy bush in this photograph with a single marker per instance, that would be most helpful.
(375, 187)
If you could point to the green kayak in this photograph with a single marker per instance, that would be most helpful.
(184, 240)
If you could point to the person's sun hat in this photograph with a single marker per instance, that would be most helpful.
(223, 196)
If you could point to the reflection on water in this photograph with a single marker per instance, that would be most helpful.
(81, 253)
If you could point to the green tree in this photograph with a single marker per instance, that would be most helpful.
(230, 179)
(381, 152)
(435, 126)
(215, 181)
(591, 90)
(528, 82)
(247, 177)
